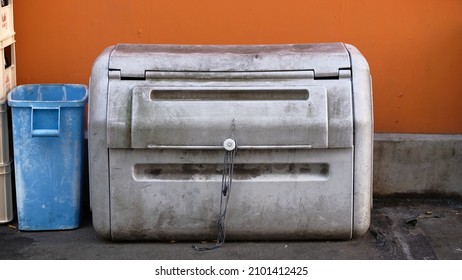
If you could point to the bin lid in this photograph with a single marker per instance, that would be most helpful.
(325, 59)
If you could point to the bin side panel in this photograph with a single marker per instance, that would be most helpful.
(97, 145)
(363, 122)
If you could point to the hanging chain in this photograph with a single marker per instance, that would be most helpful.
(226, 182)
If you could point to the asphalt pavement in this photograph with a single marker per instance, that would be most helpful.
(401, 228)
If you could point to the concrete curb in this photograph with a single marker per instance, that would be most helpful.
(417, 163)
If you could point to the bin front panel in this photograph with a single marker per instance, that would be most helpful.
(276, 194)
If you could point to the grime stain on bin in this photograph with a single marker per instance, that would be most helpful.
(194, 172)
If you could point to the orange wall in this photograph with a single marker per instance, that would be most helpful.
(414, 47)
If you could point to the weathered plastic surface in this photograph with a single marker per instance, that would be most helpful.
(324, 59)
(203, 115)
(159, 115)
(364, 131)
(48, 149)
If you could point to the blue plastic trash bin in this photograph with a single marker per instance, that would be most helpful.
(48, 136)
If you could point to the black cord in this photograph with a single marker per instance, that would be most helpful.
(226, 182)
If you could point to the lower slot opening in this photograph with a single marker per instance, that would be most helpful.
(242, 172)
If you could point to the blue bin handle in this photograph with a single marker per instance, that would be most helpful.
(45, 122)
(45, 133)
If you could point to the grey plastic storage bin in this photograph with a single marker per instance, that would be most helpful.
(6, 190)
(6, 194)
(301, 116)
(48, 144)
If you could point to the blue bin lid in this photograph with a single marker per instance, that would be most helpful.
(48, 95)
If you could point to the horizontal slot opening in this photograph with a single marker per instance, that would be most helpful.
(230, 94)
(132, 78)
(242, 172)
(327, 78)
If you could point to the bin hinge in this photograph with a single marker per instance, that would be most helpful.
(341, 74)
(114, 74)
(344, 74)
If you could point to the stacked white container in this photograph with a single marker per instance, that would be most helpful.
(8, 81)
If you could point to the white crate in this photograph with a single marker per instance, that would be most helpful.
(6, 19)
(8, 65)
